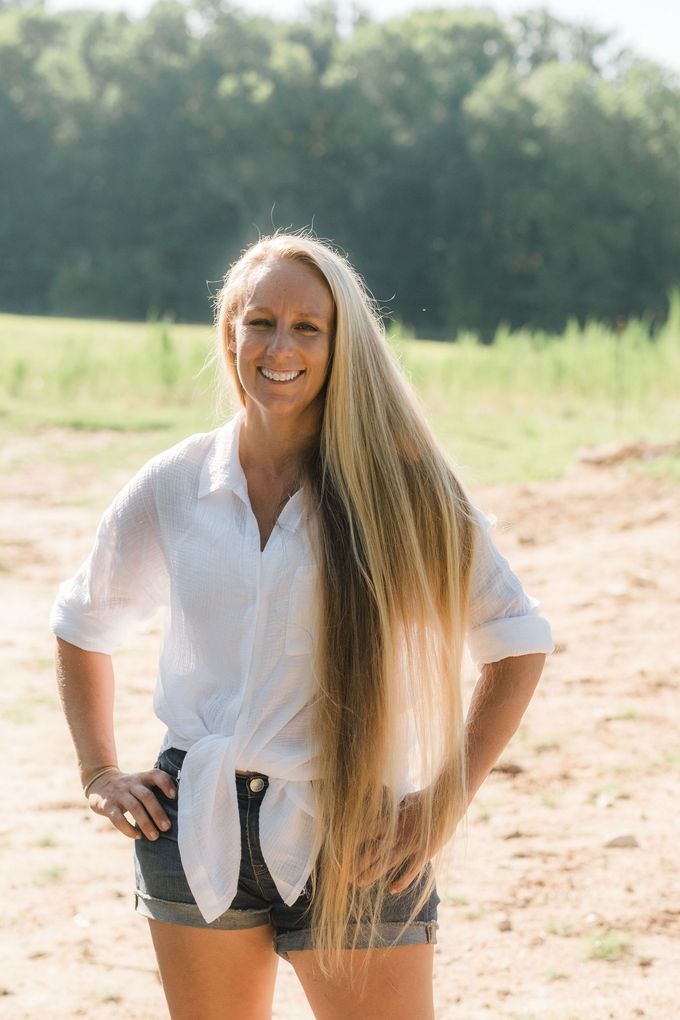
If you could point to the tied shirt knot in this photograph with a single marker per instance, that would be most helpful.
(208, 800)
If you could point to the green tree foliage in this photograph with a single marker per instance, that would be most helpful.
(477, 170)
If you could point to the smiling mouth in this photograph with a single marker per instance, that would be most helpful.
(280, 377)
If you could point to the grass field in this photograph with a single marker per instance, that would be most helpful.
(519, 409)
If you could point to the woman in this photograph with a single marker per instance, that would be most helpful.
(323, 568)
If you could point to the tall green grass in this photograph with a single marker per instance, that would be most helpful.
(524, 405)
(517, 409)
(96, 374)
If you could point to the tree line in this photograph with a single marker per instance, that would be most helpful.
(477, 170)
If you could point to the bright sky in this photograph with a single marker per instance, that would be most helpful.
(651, 28)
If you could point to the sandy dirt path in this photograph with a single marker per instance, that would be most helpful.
(540, 919)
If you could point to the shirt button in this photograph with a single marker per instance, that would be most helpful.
(255, 784)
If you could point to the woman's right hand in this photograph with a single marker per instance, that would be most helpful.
(117, 794)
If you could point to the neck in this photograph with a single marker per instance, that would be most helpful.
(275, 448)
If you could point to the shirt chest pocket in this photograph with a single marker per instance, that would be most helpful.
(302, 621)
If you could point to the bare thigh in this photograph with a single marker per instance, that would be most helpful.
(209, 974)
(398, 985)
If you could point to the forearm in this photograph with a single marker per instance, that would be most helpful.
(498, 702)
(86, 685)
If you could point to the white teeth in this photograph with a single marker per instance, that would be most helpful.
(279, 376)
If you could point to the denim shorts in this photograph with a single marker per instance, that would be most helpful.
(162, 891)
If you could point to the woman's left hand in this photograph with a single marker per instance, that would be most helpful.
(410, 821)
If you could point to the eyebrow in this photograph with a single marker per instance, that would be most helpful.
(252, 309)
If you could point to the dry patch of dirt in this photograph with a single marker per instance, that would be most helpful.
(544, 915)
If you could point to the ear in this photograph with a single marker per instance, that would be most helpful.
(229, 338)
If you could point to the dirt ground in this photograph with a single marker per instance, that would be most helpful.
(540, 918)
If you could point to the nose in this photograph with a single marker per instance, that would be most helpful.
(281, 340)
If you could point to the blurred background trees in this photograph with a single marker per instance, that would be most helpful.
(477, 170)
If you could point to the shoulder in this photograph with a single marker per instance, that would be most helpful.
(171, 474)
(185, 459)
(483, 520)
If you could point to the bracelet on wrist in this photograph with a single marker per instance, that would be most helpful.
(97, 775)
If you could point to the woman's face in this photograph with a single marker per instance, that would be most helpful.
(283, 335)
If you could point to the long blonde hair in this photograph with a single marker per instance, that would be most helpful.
(394, 536)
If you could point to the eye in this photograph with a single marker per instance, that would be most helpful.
(259, 322)
(307, 327)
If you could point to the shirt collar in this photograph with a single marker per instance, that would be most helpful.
(222, 471)
(222, 467)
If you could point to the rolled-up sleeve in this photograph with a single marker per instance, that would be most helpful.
(503, 619)
(123, 581)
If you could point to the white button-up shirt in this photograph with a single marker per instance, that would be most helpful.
(234, 677)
